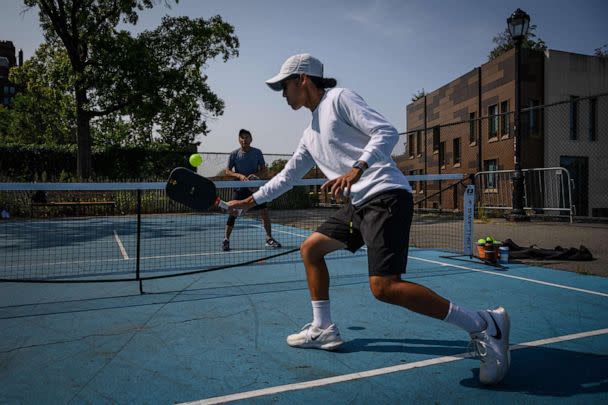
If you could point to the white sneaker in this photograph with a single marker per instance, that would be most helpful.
(312, 337)
(493, 349)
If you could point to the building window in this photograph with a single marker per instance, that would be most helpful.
(573, 117)
(534, 113)
(419, 142)
(414, 184)
(442, 154)
(456, 149)
(436, 130)
(593, 119)
(505, 118)
(410, 145)
(472, 128)
(490, 166)
(493, 121)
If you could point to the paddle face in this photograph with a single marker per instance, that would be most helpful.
(190, 189)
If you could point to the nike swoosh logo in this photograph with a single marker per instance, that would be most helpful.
(498, 332)
(313, 338)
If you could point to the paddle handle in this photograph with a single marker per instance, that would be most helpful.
(223, 205)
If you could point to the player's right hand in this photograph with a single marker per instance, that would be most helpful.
(236, 207)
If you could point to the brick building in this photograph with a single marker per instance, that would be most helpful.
(467, 125)
(435, 146)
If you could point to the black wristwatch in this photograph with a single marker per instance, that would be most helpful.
(361, 165)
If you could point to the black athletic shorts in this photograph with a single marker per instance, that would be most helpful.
(242, 193)
(382, 224)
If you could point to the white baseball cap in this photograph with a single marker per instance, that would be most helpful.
(296, 64)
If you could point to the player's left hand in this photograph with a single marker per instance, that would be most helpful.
(340, 186)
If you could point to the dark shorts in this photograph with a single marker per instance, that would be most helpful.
(242, 193)
(382, 224)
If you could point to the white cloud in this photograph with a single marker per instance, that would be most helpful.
(386, 17)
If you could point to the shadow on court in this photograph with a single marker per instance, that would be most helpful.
(150, 298)
(223, 333)
(415, 346)
(544, 371)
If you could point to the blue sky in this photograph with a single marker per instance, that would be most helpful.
(385, 50)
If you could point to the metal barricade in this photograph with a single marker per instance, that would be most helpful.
(547, 191)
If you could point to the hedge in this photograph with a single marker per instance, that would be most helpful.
(58, 163)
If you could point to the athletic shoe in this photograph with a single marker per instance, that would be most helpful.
(273, 243)
(226, 245)
(313, 337)
(493, 350)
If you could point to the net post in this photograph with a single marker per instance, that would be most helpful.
(138, 238)
(469, 214)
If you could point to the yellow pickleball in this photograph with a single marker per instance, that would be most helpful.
(196, 159)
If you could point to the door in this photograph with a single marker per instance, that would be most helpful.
(578, 167)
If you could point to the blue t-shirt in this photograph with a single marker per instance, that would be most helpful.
(246, 162)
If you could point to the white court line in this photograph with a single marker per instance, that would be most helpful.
(16, 266)
(510, 276)
(123, 251)
(490, 272)
(230, 252)
(142, 258)
(285, 232)
(380, 371)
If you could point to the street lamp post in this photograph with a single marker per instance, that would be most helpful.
(518, 24)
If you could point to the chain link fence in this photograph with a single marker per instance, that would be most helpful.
(215, 163)
(571, 134)
(577, 140)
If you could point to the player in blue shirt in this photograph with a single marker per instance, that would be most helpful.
(247, 163)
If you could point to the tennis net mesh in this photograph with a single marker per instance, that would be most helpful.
(77, 232)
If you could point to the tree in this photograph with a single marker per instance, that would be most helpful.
(152, 83)
(43, 110)
(504, 42)
(417, 96)
(602, 51)
(276, 166)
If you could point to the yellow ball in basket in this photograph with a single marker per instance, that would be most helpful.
(196, 160)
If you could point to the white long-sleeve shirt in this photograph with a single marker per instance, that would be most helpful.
(343, 129)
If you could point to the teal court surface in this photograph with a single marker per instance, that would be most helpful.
(218, 337)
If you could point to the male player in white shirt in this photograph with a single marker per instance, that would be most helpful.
(352, 144)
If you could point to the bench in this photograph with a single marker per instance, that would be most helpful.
(71, 199)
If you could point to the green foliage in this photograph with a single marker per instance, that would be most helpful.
(602, 51)
(57, 162)
(504, 42)
(158, 79)
(131, 89)
(43, 110)
(417, 96)
(276, 166)
(482, 214)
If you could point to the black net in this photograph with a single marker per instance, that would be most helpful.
(129, 231)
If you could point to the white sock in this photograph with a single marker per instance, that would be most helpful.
(321, 316)
(466, 319)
